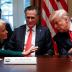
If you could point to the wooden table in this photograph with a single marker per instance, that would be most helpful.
(54, 64)
(44, 64)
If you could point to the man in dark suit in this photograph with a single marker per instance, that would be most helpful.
(41, 38)
(63, 25)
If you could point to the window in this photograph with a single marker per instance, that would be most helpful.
(7, 11)
(26, 3)
(16, 17)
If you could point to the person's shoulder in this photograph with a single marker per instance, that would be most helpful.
(20, 27)
(60, 35)
(42, 27)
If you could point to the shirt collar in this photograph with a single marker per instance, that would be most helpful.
(33, 29)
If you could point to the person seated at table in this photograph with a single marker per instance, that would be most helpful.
(5, 33)
(63, 25)
(31, 39)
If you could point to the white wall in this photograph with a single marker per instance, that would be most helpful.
(18, 13)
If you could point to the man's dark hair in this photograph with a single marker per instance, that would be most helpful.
(31, 8)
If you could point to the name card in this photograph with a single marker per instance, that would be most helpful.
(20, 60)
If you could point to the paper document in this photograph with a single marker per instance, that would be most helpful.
(20, 60)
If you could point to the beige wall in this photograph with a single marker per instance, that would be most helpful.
(70, 7)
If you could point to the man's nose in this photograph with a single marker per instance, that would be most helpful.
(55, 26)
(30, 19)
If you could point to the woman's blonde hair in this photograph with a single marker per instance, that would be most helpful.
(58, 13)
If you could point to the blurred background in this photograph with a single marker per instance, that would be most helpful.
(12, 11)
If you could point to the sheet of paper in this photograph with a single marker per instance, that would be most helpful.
(20, 60)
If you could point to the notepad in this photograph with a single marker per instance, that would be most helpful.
(20, 60)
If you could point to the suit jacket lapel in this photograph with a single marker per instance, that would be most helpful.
(23, 31)
(38, 35)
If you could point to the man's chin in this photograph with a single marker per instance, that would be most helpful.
(5, 38)
(30, 26)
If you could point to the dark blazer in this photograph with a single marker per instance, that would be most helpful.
(63, 42)
(43, 40)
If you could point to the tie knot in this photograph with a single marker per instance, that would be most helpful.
(30, 29)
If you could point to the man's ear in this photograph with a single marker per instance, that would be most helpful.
(71, 19)
(67, 19)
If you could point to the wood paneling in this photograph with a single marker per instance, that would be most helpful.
(37, 3)
(70, 7)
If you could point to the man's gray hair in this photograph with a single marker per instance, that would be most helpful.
(58, 13)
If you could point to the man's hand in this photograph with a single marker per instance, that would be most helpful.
(70, 51)
(31, 50)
